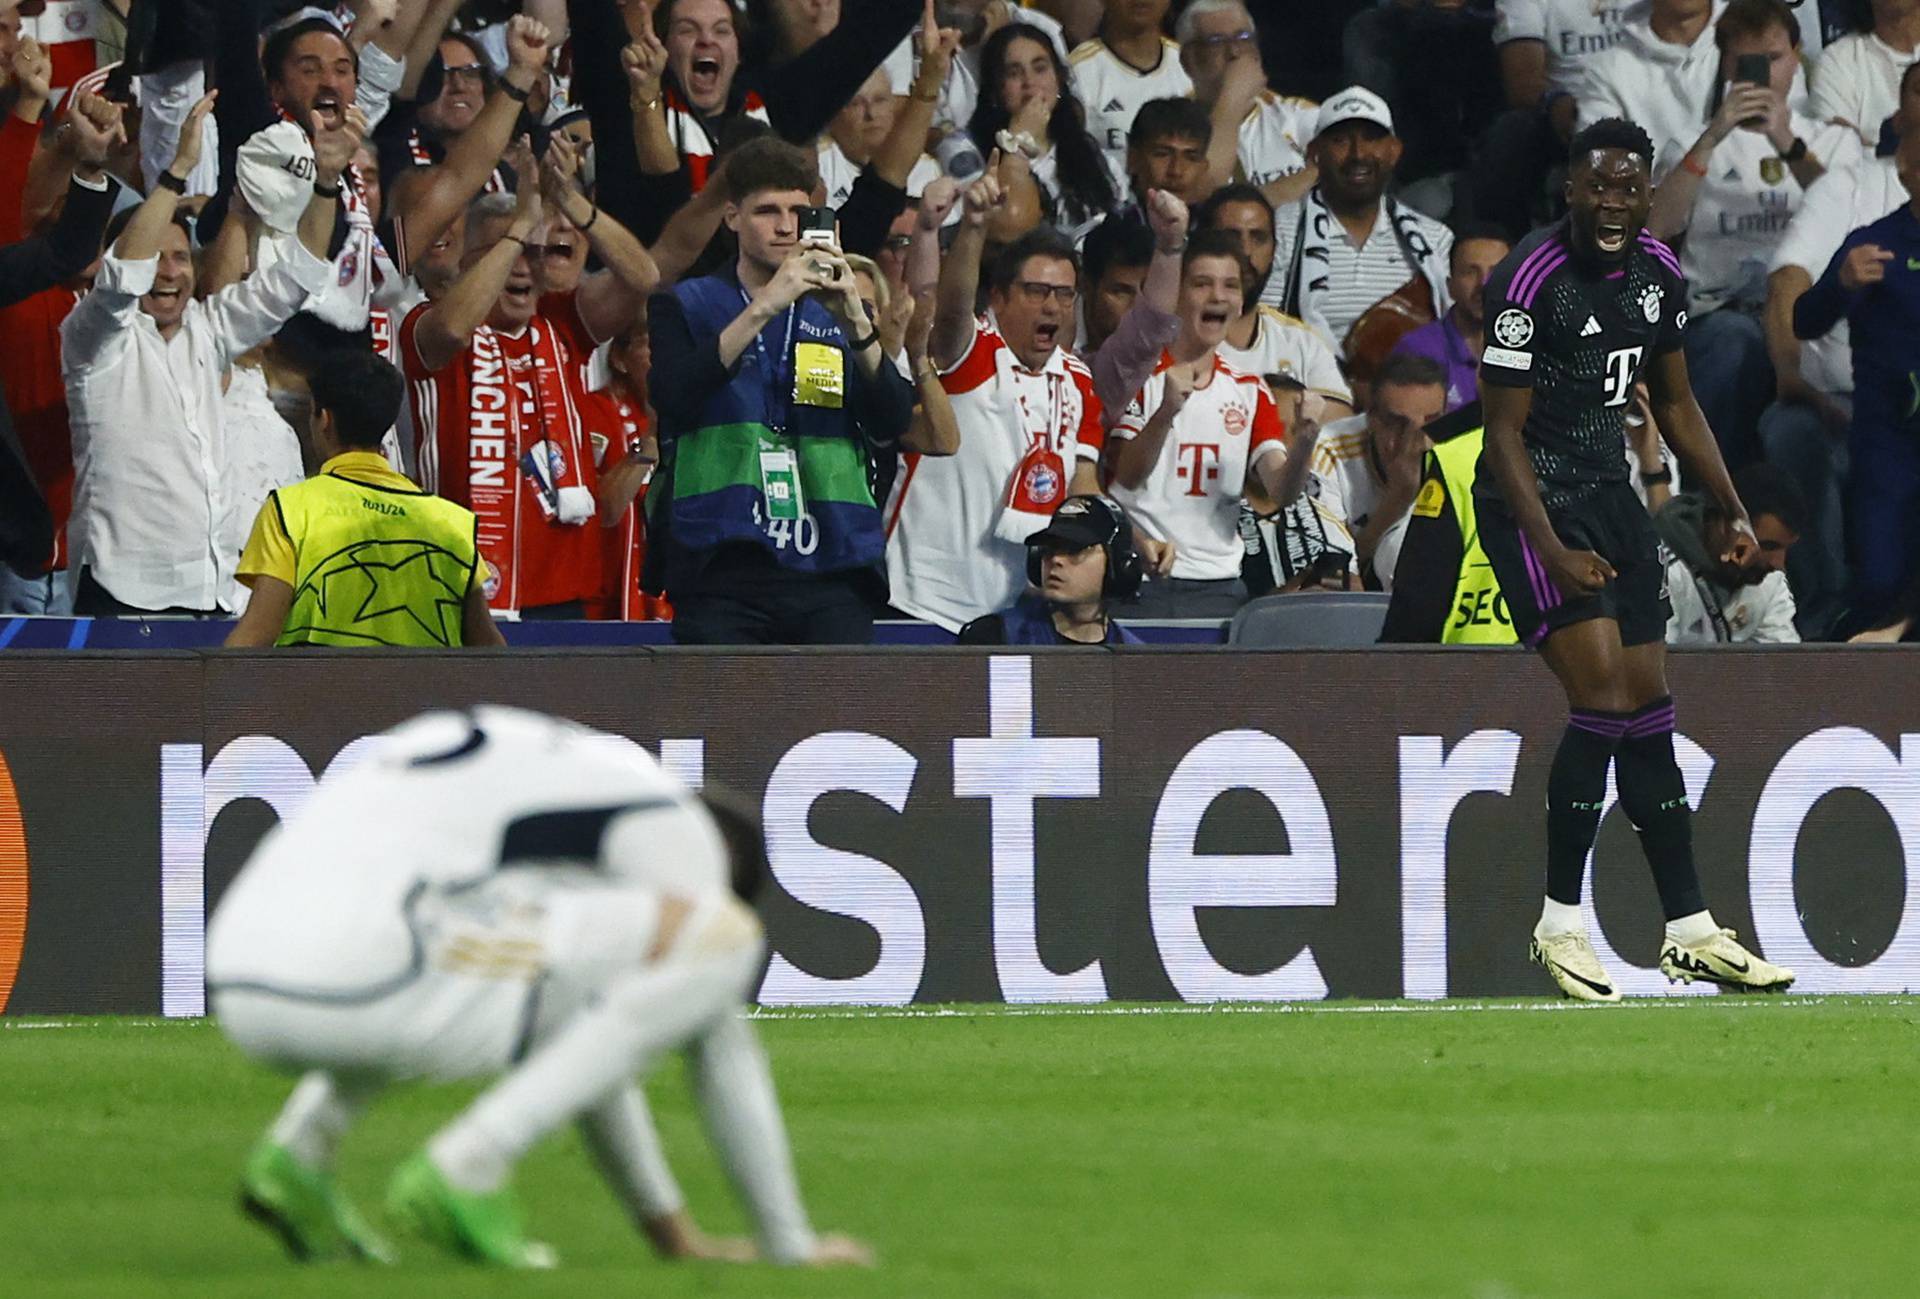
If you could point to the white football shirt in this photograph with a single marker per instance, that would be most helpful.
(1112, 90)
(1191, 496)
(1572, 30)
(1284, 345)
(944, 562)
(1274, 137)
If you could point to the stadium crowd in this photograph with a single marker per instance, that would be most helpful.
(1218, 260)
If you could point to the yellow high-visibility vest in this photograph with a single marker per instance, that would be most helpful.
(1478, 614)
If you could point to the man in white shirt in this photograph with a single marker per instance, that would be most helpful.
(1261, 340)
(1030, 426)
(1857, 80)
(1128, 62)
(145, 365)
(1663, 75)
(1347, 244)
(1804, 430)
(1367, 469)
(562, 913)
(1731, 196)
(1257, 134)
(1545, 48)
(1192, 438)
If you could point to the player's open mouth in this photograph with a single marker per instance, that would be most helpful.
(1611, 236)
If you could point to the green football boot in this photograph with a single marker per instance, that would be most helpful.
(300, 1205)
(481, 1228)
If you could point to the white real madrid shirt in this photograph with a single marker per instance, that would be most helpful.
(944, 563)
(1857, 81)
(1743, 208)
(962, 91)
(1111, 90)
(1274, 136)
(1191, 496)
(838, 172)
(1837, 204)
(1283, 345)
(1574, 31)
(1343, 486)
(1666, 89)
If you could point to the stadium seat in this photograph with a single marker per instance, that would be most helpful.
(1310, 620)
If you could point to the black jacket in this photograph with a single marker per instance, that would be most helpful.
(27, 268)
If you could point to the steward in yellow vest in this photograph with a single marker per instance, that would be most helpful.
(357, 555)
(1444, 589)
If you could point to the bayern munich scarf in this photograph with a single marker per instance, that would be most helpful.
(543, 447)
(1309, 271)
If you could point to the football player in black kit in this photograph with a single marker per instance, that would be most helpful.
(1575, 316)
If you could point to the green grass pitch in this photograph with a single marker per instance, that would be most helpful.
(1738, 1149)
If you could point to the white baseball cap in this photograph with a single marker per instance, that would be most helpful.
(1354, 104)
(275, 171)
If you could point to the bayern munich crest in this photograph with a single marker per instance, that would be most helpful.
(1650, 304)
(1513, 328)
(1043, 484)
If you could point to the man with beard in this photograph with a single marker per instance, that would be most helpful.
(1716, 601)
(1191, 440)
(1577, 314)
(1454, 341)
(1347, 244)
(1262, 340)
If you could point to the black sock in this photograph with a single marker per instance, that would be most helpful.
(1576, 786)
(1654, 796)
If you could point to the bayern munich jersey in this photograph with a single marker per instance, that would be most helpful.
(945, 562)
(1579, 335)
(1191, 496)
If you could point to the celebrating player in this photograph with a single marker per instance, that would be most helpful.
(1574, 316)
(501, 892)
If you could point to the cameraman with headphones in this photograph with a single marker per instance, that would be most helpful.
(1079, 562)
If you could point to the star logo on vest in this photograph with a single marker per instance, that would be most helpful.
(1591, 328)
(1514, 328)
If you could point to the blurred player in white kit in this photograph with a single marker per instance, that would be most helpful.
(500, 892)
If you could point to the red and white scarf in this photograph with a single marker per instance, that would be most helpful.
(524, 467)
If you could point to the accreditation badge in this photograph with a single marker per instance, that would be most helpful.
(780, 484)
(819, 376)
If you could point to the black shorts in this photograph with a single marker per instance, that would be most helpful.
(1613, 524)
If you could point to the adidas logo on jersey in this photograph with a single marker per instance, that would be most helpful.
(1591, 328)
(1112, 106)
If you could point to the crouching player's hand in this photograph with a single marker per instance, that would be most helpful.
(676, 1235)
(841, 1251)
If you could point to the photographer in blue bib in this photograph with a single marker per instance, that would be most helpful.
(771, 388)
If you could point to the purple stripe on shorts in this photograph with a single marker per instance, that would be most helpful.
(1545, 593)
(1652, 723)
(1524, 294)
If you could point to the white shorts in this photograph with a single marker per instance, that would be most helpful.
(490, 962)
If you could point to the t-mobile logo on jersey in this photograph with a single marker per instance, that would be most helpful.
(1198, 465)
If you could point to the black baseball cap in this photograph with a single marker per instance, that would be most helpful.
(1081, 521)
